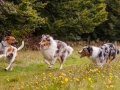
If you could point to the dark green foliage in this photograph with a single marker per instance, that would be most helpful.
(110, 30)
(69, 19)
(18, 19)
(63, 19)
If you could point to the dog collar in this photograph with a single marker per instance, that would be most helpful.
(3, 45)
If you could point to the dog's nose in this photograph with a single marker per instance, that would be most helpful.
(16, 42)
(79, 52)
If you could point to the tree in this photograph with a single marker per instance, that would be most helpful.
(19, 18)
(72, 18)
(111, 27)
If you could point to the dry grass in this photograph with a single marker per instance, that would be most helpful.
(31, 73)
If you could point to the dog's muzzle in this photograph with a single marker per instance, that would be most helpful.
(81, 54)
(41, 45)
(14, 44)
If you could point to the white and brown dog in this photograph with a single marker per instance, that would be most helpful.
(102, 55)
(8, 50)
(53, 50)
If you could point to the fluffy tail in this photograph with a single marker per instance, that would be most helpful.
(22, 45)
(70, 50)
(118, 51)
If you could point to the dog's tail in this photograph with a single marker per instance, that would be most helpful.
(70, 50)
(22, 45)
(118, 51)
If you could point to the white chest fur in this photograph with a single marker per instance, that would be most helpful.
(95, 53)
(49, 52)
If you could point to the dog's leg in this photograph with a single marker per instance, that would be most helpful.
(12, 59)
(110, 59)
(11, 66)
(9, 60)
(4, 53)
(61, 66)
(10, 63)
(53, 62)
(48, 63)
(60, 61)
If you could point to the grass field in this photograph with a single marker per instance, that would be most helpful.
(31, 73)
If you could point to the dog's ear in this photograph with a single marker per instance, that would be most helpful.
(48, 36)
(6, 38)
(43, 35)
(90, 50)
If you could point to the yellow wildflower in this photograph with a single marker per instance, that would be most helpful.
(66, 79)
(62, 82)
(36, 83)
(36, 88)
(45, 86)
(111, 86)
(8, 79)
(43, 73)
(36, 77)
(54, 78)
(69, 71)
(22, 86)
(41, 86)
(27, 85)
(107, 86)
(52, 84)
(91, 70)
(109, 81)
(90, 79)
(63, 74)
(60, 76)
(77, 79)
(22, 83)
(44, 78)
(50, 73)
(111, 77)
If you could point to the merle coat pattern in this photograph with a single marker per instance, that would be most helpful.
(53, 50)
(100, 55)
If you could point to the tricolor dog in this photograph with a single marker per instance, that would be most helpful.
(53, 50)
(8, 50)
(100, 55)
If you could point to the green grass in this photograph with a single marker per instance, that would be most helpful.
(31, 73)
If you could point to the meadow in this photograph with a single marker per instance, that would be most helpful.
(31, 73)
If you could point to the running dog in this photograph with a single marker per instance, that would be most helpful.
(53, 50)
(8, 50)
(102, 55)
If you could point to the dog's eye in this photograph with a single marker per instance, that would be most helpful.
(48, 39)
(44, 40)
(84, 49)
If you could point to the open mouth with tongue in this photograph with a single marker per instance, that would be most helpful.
(84, 53)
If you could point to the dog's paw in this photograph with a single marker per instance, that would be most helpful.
(11, 69)
(5, 69)
(50, 66)
(1, 56)
(61, 67)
